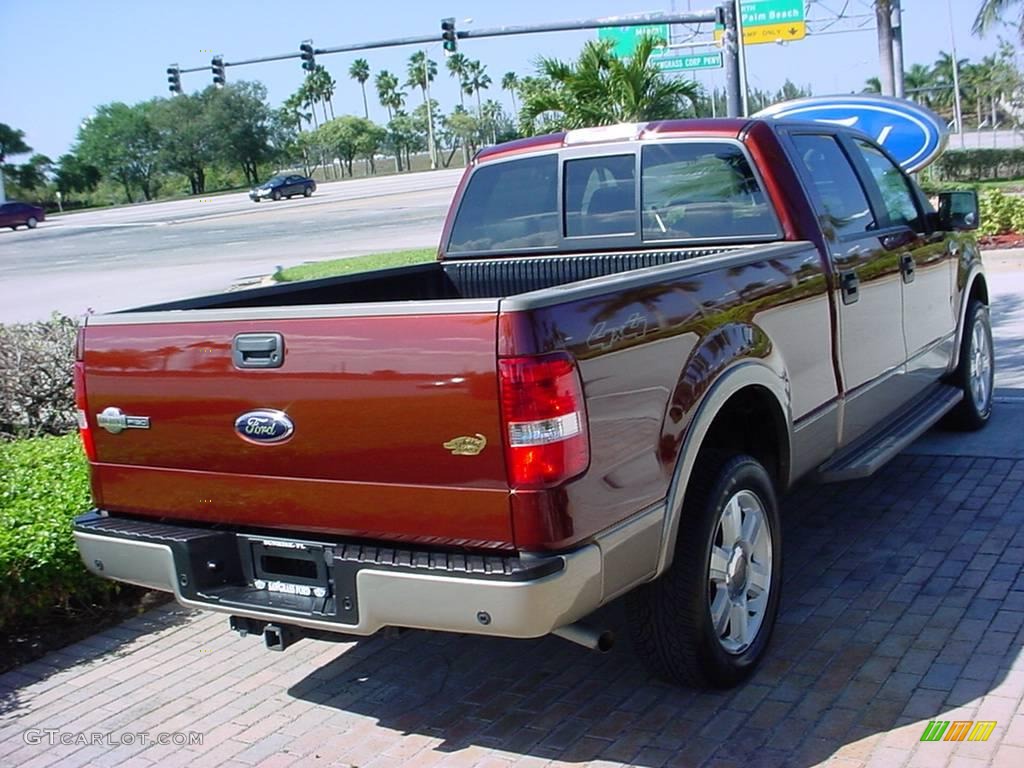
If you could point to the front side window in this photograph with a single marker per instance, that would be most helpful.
(702, 190)
(600, 196)
(509, 205)
(826, 169)
(896, 193)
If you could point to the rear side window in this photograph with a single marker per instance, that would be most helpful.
(702, 190)
(509, 205)
(600, 196)
(826, 169)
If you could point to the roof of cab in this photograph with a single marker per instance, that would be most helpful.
(725, 127)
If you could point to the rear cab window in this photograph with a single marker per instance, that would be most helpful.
(617, 196)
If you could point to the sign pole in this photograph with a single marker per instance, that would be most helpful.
(744, 87)
(730, 52)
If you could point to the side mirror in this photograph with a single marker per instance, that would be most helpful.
(958, 211)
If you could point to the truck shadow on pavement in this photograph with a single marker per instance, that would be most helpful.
(902, 602)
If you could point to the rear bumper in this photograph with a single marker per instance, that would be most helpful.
(353, 589)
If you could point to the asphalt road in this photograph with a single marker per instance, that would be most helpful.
(112, 259)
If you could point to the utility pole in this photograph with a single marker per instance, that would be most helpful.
(958, 108)
(731, 56)
(897, 47)
(883, 20)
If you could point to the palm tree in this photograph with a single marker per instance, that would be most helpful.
(476, 80)
(509, 82)
(387, 89)
(456, 65)
(601, 89)
(326, 85)
(307, 93)
(872, 85)
(991, 12)
(421, 73)
(360, 70)
(918, 82)
(293, 108)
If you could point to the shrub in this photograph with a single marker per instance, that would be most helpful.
(36, 386)
(980, 164)
(1001, 213)
(43, 484)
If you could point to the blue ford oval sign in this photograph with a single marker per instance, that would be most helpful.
(264, 426)
(912, 134)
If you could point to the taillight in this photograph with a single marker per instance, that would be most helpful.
(82, 412)
(545, 420)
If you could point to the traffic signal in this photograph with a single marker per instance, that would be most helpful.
(174, 79)
(217, 66)
(449, 37)
(306, 53)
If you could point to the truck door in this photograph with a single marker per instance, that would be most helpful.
(927, 264)
(872, 349)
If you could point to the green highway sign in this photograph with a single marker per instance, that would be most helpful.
(626, 38)
(670, 63)
(769, 21)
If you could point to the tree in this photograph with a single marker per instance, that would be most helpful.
(601, 89)
(991, 12)
(457, 68)
(325, 86)
(360, 71)
(350, 137)
(476, 80)
(872, 85)
(465, 130)
(510, 82)
(240, 122)
(187, 143)
(421, 72)
(74, 175)
(392, 99)
(124, 144)
(12, 142)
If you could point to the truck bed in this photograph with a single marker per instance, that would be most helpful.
(452, 279)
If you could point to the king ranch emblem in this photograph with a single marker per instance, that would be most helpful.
(264, 426)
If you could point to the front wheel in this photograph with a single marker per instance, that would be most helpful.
(276, 195)
(976, 373)
(707, 620)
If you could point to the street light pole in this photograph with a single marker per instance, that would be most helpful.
(897, 47)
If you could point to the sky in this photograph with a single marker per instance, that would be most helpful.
(59, 59)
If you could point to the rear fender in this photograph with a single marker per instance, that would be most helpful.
(741, 374)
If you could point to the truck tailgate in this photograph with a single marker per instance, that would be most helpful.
(372, 400)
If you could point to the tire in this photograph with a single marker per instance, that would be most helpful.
(975, 375)
(31, 222)
(307, 192)
(671, 617)
(275, 195)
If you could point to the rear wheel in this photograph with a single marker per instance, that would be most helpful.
(708, 619)
(31, 222)
(976, 373)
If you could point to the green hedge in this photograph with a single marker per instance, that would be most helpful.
(43, 484)
(1001, 213)
(980, 165)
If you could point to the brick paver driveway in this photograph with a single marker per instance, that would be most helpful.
(903, 603)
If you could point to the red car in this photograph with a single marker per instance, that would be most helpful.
(12, 214)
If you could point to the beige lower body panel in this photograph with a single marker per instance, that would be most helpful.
(522, 609)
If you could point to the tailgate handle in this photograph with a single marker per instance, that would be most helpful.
(258, 350)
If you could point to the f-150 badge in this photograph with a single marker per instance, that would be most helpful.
(465, 445)
(115, 421)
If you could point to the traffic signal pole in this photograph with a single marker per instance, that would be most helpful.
(724, 14)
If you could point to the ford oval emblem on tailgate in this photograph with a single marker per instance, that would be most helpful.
(264, 427)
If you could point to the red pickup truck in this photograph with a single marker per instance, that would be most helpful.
(633, 340)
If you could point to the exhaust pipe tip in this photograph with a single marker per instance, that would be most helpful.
(600, 640)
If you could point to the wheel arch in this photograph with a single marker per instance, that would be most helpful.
(977, 288)
(750, 391)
